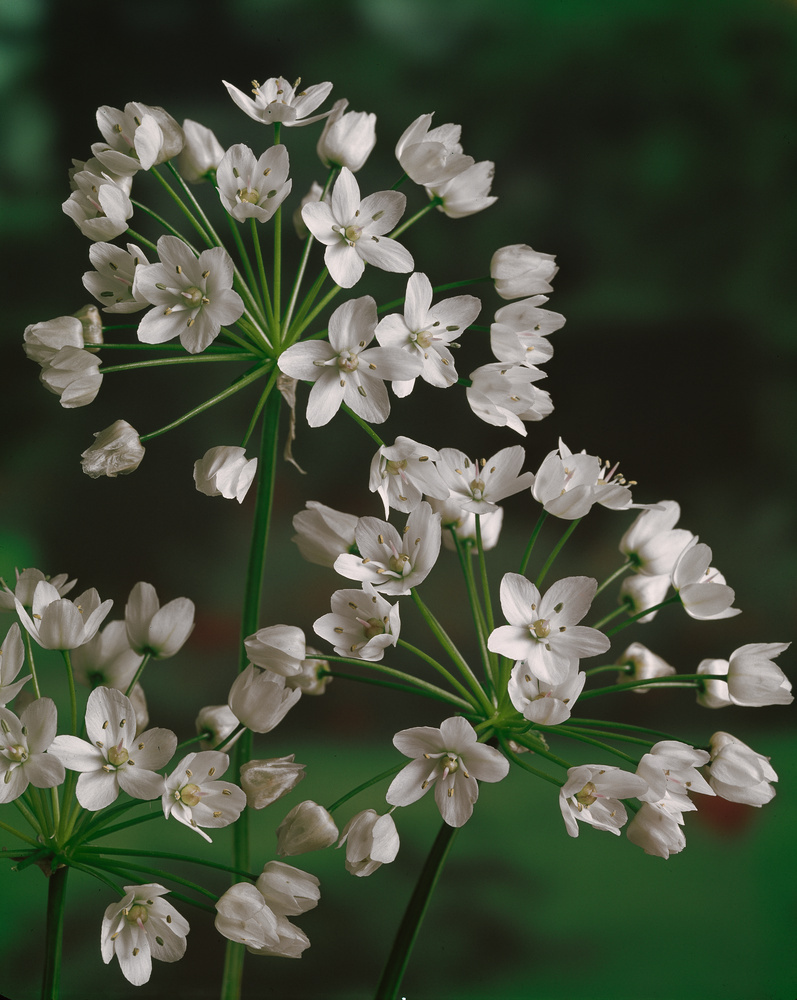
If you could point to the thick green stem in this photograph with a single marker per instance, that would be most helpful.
(54, 934)
(416, 910)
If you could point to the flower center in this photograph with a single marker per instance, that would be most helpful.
(352, 233)
(117, 755)
(347, 361)
(374, 626)
(249, 196)
(190, 794)
(541, 628)
(17, 752)
(396, 468)
(137, 913)
(193, 296)
(398, 563)
(423, 338)
(477, 491)
(450, 763)
(587, 795)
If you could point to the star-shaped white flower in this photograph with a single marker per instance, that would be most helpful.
(116, 757)
(394, 563)
(136, 138)
(57, 623)
(193, 297)
(277, 101)
(142, 926)
(426, 331)
(479, 485)
(402, 473)
(362, 623)
(503, 395)
(344, 369)
(251, 188)
(542, 630)
(112, 282)
(592, 795)
(24, 742)
(193, 794)
(452, 759)
(353, 230)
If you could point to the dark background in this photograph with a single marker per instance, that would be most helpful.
(651, 147)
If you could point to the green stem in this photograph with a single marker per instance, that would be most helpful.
(408, 679)
(444, 640)
(248, 288)
(414, 218)
(29, 648)
(622, 737)
(363, 423)
(167, 856)
(271, 314)
(527, 554)
(261, 403)
(556, 550)
(160, 362)
(133, 235)
(396, 686)
(294, 332)
(618, 572)
(574, 734)
(70, 676)
(204, 236)
(239, 384)
(161, 222)
(624, 725)
(53, 934)
(277, 272)
(139, 672)
(675, 599)
(488, 607)
(475, 608)
(624, 607)
(413, 917)
(679, 680)
(518, 759)
(366, 784)
(125, 866)
(319, 308)
(17, 833)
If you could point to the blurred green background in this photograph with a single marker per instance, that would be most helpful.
(651, 146)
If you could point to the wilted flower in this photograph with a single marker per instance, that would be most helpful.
(265, 781)
(116, 451)
(307, 827)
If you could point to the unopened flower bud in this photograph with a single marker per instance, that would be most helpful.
(224, 471)
(519, 271)
(91, 322)
(279, 648)
(307, 827)
(201, 153)
(265, 781)
(74, 375)
(217, 722)
(159, 631)
(347, 139)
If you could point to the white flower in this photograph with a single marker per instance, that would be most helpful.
(277, 101)
(216, 723)
(344, 369)
(140, 927)
(136, 138)
(713, 693)
(519, 271)
(431, 156)
(253, 189)
(194, 796)
(638, 663)
(671, 768)
(739, 774)
(567, 485)
(479, 485)
(323, 533)
(542, 630)
(754, 680)
(394, 563)
(314, 194)
(99, 206)
(426, 331)
(653, 543)
(592, 795)
(278, 648)
(640, 592)
(403, 472)
(362, 624)
(519, 333)
(265, 781)
(193, 297)
(107, 659)
(656, 828)
(353, 230)
(24, 742)
(307, 827)
(201, 152)
(159, 631)
(261, 699)
(450, 757)
(466, 192)
(25, 587)
(44, 340)
(12, 656)
(57, 623)
(371, 841)
(540, 702)
(73, 375)
(313, 678)
(463, 523)
(115, 757)
(702, 588)
(112, 283)
(504, 395)
(225, 471)
(347, 138)
(117, 451)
